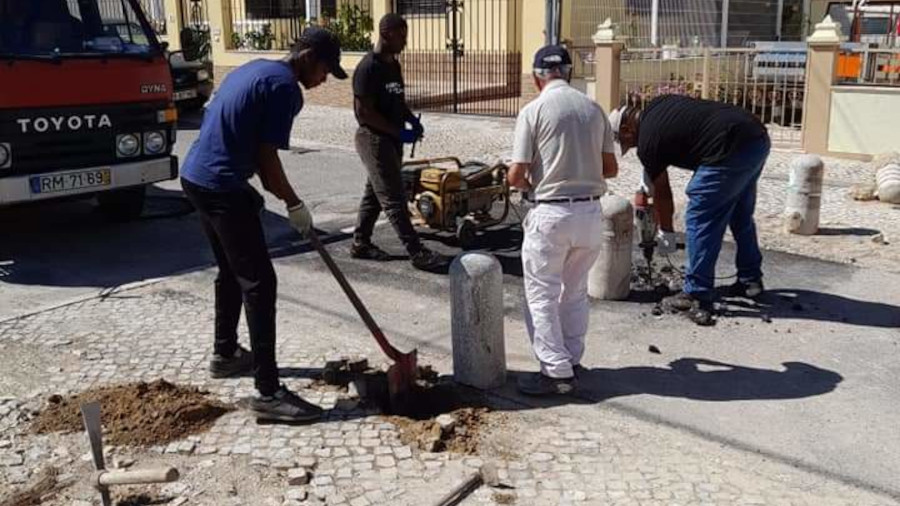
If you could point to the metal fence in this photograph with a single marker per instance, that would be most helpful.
(274, 25)
(464, 56)
(769, 85)
(879, 67)
(155, 10)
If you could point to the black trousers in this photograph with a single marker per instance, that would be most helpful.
(246, 277)
(383, 158)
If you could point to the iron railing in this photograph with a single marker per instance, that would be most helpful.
(866, 66)
(465, 57)
(155, 10)
(274, 25)
(770, 85)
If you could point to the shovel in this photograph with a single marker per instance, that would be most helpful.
(404, 371)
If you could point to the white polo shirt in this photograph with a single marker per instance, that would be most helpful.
(563, 135)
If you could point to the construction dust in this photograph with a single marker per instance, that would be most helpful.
(659, 283)
(42, 490)
(137, 414)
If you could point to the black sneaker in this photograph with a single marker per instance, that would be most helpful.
(537, 384)
(702, 314)
(284, 406)
(368, 251)
(239, 364)
(679, 302)
(746, 289)
(427, 260)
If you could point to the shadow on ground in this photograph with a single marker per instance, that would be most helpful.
(816, 306)
(70, 244)
(691, 378)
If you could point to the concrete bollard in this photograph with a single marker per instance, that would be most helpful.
(610, 277)
(889, 184)
(804, 198)
(476, 307)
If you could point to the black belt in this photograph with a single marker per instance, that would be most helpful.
(567, 200)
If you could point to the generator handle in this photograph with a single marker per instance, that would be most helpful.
(428, 161)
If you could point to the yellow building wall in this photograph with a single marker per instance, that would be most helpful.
(864, 120)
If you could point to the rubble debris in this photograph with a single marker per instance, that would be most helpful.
(44, 488)
(654, 349)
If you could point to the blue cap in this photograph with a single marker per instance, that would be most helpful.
(551, 57)
(326, 47)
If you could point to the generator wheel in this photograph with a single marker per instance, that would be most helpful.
(465, 233)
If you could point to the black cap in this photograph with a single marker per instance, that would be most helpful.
(551, 57)
(327, 48)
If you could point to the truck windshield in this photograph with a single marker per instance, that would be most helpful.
(59, 28)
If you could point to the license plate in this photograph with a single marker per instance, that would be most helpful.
(185, 95)
(68, 181)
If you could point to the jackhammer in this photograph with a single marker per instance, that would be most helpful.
(645, 222)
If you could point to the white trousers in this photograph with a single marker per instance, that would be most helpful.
(562, 242)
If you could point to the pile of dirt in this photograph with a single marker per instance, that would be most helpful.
(459, 431)
(138, 414)
(44, 488)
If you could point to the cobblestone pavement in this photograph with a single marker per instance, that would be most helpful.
(577, 454)
(850, 229)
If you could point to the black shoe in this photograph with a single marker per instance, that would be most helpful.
(284, 406)
(538, 384)
(239, 364)
(368, 251)
(427, 260)
(702, 314)
(746, 289)
(679, 302)
(579, 370)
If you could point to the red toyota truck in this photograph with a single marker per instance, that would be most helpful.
(86, 104)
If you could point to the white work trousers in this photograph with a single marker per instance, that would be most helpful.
(562, 242)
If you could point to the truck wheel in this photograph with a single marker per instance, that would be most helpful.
(122, 205)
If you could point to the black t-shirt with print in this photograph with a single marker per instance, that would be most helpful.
(381, 83)
(687, 132)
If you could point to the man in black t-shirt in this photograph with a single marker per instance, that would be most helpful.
(726, 147)
(383, 115)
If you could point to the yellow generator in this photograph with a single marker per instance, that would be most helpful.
(448, 195)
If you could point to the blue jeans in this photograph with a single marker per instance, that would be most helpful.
(723, 196)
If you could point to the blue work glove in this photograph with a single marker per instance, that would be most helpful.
(408, 136)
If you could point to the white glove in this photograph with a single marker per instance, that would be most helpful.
(666, 242)
(300, 218)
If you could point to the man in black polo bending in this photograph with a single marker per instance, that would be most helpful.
(383, 116)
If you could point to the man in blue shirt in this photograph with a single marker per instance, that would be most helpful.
(248, 120)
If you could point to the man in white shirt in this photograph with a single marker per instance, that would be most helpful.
(563, 151)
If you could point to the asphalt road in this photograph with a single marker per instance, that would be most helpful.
(816, 388)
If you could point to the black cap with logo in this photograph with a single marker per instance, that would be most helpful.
(327, 48)
(551, 57)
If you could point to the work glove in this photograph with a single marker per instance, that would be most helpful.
(666, 242)
(408, 136)
(417, 127)
(300, 218)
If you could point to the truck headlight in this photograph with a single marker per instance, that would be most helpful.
(127, 145)
(202, 75)
(5, 155)
(154, 143)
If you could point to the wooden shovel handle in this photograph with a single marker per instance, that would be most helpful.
(137, 476)
(392, 353)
